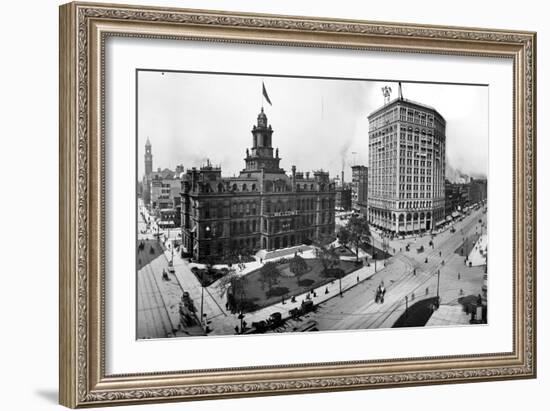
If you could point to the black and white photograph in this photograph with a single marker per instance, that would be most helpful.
(278, 204)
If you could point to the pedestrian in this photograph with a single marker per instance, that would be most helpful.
(236, 329)
(458, 276)
(357, 278)
(326, 290)
(427, 290)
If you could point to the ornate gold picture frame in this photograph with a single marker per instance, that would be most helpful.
(84, 29)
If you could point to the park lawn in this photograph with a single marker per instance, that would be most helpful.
(417, 315)
(345, 251)
(208, 277)
(379, 254)
(151, 250)
(262, 296)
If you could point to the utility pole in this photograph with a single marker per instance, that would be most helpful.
(172, 257)
(438, 275)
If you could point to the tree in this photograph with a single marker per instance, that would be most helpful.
(208, 273)
(329, 258)
(234, 286)
(270, 274)
(358, 228)
(298, 266)
(344, 235)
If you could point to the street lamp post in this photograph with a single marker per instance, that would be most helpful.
(373, 252)
(202, 303)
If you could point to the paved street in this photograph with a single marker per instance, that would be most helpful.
(358, 309)
(408, 276)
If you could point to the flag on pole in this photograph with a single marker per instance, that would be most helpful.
(264, 92)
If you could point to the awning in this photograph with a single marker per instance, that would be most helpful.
(166, 222)
(449, 218)
(454, 214)
(440, 223)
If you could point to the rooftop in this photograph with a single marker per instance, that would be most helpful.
(408, 101)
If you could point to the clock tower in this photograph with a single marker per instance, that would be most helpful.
(260, 156)
(148, 158)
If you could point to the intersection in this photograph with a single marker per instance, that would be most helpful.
(410, 275)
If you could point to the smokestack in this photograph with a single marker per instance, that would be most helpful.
(400, 92)
(342, 177)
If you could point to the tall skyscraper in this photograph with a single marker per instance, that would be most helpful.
(406, 182)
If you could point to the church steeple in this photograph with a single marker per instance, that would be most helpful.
(260, 155)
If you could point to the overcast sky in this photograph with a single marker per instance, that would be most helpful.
(317, 123)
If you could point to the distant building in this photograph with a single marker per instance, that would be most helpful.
(478, 190)
(261, 208)
(457, 197)
(406, 182)
(165, 189)
(343, 198)
(160, 190)
(165, 196)
(359, 188)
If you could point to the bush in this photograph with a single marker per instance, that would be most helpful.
(298, 266)
(334, 272)
(305, 282)
(245, 305)
(277, 292)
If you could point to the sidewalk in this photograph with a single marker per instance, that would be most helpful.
(222, 322)
(478, 255)
(423, 240)
(448, 315)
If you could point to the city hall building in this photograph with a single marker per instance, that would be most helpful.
(261, 208)
(406, 179)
